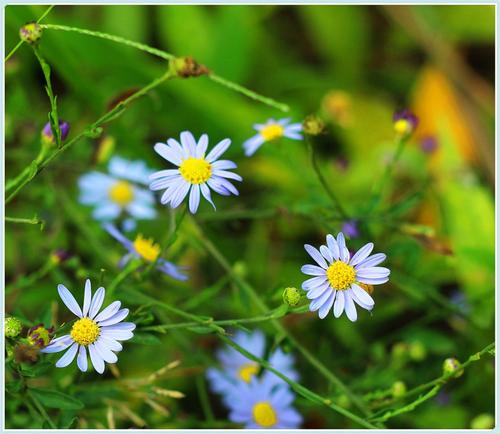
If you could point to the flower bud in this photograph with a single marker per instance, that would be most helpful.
(313, 125)
(48, 137)
(350, 228)
(30, 32)
(451, 365)
(405, 122)
(483, 421)
(39, 336)
(187, 67)
(417, 351)
(292, 296)
(60, 255)
(398, 389)
(12, 327)
(344, 401)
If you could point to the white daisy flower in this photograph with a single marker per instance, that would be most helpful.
(96, 332)
(195, 172)
(120, 191)
(272, 130)
(341, 280)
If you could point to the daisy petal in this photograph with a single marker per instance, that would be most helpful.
(68, 356)
(205, 191)
(189, 143)
(116, 318)
(318, 302)
(361, 254)
(323, 311)
(96, 303)
(350, 307)
(111, 343)
(108, 312)
(312, 270)
(201, 147)
(87, 297)
(362, 295)
(316, 255)
(314, 282)
(218, 150)
(376, 272)
(326, 253)
(81, 359)
(57, 345)
(106, 354)
(372, 261)
(338, 307)
(333, 246)
(69, 300)
(194, 199)
(168, 153)
(96, 359)
(316, 292)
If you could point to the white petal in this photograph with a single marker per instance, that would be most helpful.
(106, 354)
(111, 343)
(228, 175)
(58, 344)
(326, 253)
(194, 199)
(350, 307)
(320, 301)
(313, 270)
(81, 359)
(201, 147)
(361, 254)
(372, 261)
(344, 253)
(373, 272)
(168, 153)
(316, 292)
(189, 143)
(96, 303)
(108, 312)
(362, 295)
(218, 150)
(313, 282)
(87, 297)
(164, 174)
(116, 318)
(338, 307)
(180, 194)
(68, 356)
(316, 255)
(323, 311)
(205, 191)
(118, 335)
(333, 246)
(96, 359)
(69, 300)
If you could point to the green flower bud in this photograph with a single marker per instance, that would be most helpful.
(483, 421)
(240, 269)
(451, 365)
(30, 33)
(12, 327)
(313, 125)
(292, 296)
(417, 351)
(398, 389)
(344, 401)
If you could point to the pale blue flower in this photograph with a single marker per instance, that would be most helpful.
(261, 404)
(236, 368)
(272, 130)
(99, 333)
(338, 278)
(145, 249)
(196, 173)
(119, 193)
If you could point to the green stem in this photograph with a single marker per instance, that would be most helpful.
(33, 221)
(36, 167)
(168, 56)
(132, 266)
(204, 400)
(331, 194)
(41, 409)
(11, 53)
(332, 378)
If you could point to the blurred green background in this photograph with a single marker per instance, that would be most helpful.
(353, 65)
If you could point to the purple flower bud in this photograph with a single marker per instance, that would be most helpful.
(47, 131)
(428, 144)
(30, 32)
(350, 228)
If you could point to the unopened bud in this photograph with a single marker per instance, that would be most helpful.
(483, 421)
(60, 255)
(398, 389)
(417, 351)
(313, 125)
(451, 365)
(12, 327)
(405, 122)
(39, 336)
(292, 296)
(188, 67)
(30, 32)
(48, 137)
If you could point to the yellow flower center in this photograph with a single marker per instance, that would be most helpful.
(264, 414)
(402, 127)
(340, 275)
(271, 132)
(247, 371)
(196, 170)
(121, 193)
(147, 248)
(367, 287)
(85, 331)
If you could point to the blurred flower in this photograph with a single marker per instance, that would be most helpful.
(48, 137)
(428, 144)
(97, 332)
(25, 353)
(398, 389)
(405, 122)
(350, 229)
(30, 32)
(39, 335)
(105, 148)
(338, 276)
(313, 125)
(451, 365)
(145, 249)
(120, 191)
(459, 299)
(259, 404)
(272, 130)
(236, 368)
(195, 172)
(60, 255)
(338, 104)
(12, 327)
(483, 421)
(292, 296)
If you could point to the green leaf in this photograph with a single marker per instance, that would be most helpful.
(55, 399)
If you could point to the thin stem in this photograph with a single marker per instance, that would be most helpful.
(11, 53)
(41, 409)
(168, 56)
(127, 271)
(36, 167)
(333, 197)
(332, 378)
(204, 400)
(33, 221)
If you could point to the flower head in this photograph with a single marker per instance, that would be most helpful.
(47, 135)
(31, 32)
(12, 326)
(236, 368)
(119, 192)
(405, 122)
(272, 130)
(40, 336)
(261, 404)
(145, 249)
(337, 279)
(196, 173)
(96, 332)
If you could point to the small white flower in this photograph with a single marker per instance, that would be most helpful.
(97, 332)
(195, 172)
(272, 130)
